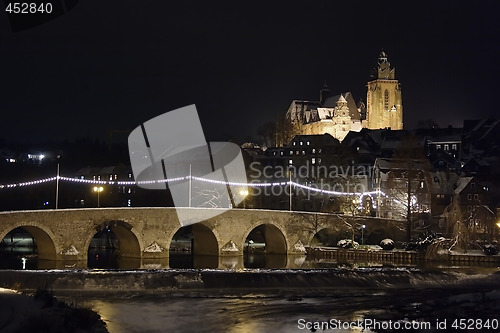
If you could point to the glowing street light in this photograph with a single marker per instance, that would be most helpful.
(98, 189)
(363, 234)
(244, 193)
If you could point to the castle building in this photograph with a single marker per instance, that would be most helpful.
(338, 115)
(384, 108)
(335, 115)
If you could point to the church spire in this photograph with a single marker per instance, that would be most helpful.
(324, 93)
(384, 70)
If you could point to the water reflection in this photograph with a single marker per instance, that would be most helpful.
(110, 259)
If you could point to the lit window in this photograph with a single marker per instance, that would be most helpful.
(301, 143)
(110, 177)
(313, 160)
(281, 153)
(314, 150)
(446, 147)
(438, 146)
(421, 184)
(98, 177)
(308, 143)
(303, 152)
(290, 162)
(454, 146)
(294, 143)
(129, 203)
(129, 175)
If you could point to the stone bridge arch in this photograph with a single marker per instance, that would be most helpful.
(275, 237)
(206, 239)
(129, 240)
(45, 240)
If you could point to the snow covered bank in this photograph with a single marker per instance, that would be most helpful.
(44, 313)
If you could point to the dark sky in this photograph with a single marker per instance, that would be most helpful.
(115, 64)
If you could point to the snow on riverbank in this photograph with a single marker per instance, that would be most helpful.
(43, 313)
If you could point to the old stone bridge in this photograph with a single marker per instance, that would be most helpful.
(147, 233)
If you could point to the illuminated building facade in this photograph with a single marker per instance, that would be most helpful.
(384, 107)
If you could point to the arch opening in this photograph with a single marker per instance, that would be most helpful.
(114, 245)
(194, 246)
(27, 247)
(325, 237)
(265, 247)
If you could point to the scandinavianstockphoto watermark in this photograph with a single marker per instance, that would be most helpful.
(310, 179)
(457, 324)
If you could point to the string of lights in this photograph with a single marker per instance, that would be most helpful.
(178, 179)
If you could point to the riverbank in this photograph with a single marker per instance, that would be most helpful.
(42, 312)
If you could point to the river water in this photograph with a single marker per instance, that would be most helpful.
(265, 295)
(352, 299)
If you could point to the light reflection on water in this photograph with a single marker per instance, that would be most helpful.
(250, 313)
(108, 259)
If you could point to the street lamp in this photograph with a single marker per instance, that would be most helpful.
(363, 234)
(244, 193)
(98, 189)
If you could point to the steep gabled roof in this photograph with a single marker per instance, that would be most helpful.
(462, 184)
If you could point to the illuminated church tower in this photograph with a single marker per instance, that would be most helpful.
(384, 108)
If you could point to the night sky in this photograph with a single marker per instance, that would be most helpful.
(115, 64)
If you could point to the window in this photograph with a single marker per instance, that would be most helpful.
(281, 153)
(290, 162)
(308, 143)
(294, 143)
(473, 185)
(469, 208)
(303, 152)
(319, 160)
(291, 152)
(454, 146)
(476, 196)
(110, 177)
(386, 100)
(313, 160)
(469, 196)
(421, 184)
(446, 147)
(438, 146)
(301, 143)
(314, 150)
